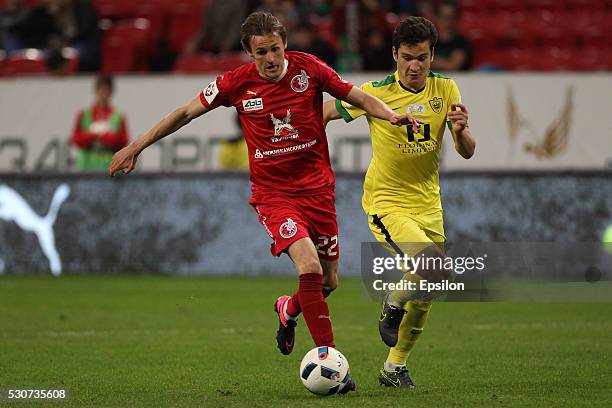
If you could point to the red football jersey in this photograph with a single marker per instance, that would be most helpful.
(282, 121)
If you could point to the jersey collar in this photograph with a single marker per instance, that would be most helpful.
(285, 69)
(406, 89)
(98, 110)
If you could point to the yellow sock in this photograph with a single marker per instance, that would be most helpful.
(409, 331)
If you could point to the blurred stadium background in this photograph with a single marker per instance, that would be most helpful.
(534, 74)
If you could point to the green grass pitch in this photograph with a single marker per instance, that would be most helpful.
(160, 341)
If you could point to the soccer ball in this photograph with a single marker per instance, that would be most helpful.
(324, 371)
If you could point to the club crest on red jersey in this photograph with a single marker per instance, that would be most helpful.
(299, 83)
(288, 229)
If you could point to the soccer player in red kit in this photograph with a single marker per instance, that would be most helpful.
(279, 100)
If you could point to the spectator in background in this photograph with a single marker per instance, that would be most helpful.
(220, 31)
(305, 39)
(285, 10)
(100, 130)
(233, 153)
(406, 8)
(10, 17)
(375, 54)
(318, 8)
(36, 28)
(55, 24)
(355, 25)
(78, 24)
(453, 51)
(57, 64)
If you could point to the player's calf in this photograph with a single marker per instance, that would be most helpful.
(329, 285)
(312, 303)
(327, 291)
(330, 276)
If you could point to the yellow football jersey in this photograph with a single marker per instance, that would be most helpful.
(404, 169)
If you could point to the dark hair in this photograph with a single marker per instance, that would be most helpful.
(413, 30)
(104, 80)
(260, 23)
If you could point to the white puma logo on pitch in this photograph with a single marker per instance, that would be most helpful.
(14, 208)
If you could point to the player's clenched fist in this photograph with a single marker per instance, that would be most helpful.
(458, 116)
(124, 159)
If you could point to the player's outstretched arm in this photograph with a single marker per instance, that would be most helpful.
(125, 159)
(464, 141)
(330, 112)
(377, 108)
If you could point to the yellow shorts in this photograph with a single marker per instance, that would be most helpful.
(405, 233)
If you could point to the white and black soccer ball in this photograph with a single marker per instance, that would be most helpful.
(324, 371)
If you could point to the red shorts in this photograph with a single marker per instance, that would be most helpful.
(290, 218)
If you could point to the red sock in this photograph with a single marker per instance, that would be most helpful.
(315, 310)
(293, 305)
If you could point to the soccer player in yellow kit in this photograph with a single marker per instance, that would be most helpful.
(402, 191)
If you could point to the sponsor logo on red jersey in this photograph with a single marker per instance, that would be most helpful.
(283, 150)
(283, 130)
(252, 104)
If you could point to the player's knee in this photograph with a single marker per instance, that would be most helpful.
(310, 265)
(435, 270)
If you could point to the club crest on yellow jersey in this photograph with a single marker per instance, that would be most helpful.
(436, 104)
